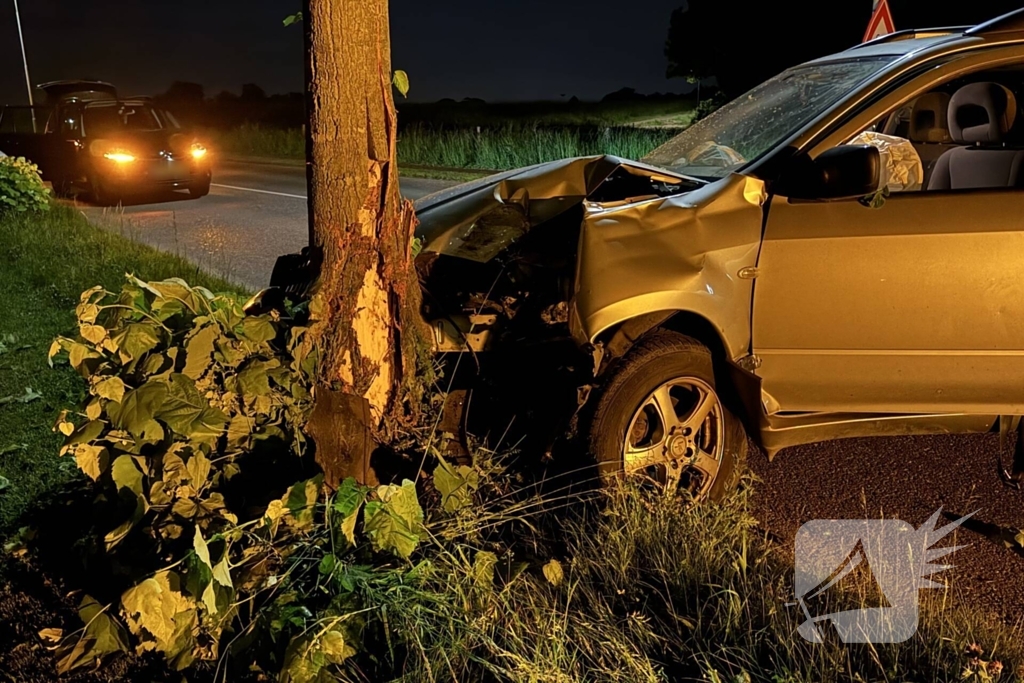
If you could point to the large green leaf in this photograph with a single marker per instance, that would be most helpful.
(240, 429)
(199, 351)
(108, 634)
(91, 460)
(137, 411)
(136, 340)
(128, 482)
(258, 328)
(394, 522)
(347, 503)
(198, 469)
(456, 485)
(159, 613)
(300, 501)
(254, 380)
(111, 388)
(126, 475)
(189, 414)
(204, 586)
(78, 353)
(101, 636)
(401, 82)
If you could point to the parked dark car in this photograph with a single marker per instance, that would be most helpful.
(86, 138)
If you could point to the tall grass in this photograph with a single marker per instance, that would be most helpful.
(513, 146)
(260, 141)
(653, 590)
(498, 148)
(676, 111)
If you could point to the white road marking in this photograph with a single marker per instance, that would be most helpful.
(250, 189)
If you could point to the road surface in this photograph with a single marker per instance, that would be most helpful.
(254, 213)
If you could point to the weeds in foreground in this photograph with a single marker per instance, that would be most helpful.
(652, 589)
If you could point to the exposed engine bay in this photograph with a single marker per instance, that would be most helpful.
(498, 260)
(498, 270)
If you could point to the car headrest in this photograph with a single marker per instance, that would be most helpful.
(929, 118)
(981, 112)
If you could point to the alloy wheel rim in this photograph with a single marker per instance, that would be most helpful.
(677, 436)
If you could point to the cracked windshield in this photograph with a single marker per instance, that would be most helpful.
(752, 124)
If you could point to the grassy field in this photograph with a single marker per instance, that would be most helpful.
(496, 148)
(498, 136)
(668, 111)
(47, 262)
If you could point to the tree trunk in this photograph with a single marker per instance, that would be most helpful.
(367, 303)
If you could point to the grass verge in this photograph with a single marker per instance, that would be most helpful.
(48, 260)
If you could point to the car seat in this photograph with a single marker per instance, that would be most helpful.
(980, 117)
(929, 129)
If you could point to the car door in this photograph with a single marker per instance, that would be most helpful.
(913, 307)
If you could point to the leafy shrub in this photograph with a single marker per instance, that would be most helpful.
(183, 388)
(21, 188)
(193, 411)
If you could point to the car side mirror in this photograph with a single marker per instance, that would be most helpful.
(843, 172)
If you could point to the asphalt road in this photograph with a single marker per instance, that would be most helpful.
(909, 478)
(254, 213)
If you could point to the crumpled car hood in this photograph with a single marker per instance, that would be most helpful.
(478, 220)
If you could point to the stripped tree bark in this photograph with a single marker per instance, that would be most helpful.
(366, 308)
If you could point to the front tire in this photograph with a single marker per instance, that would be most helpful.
(102, 195)
(199, 189)
(659, 416)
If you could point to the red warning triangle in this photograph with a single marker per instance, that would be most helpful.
(881, 22)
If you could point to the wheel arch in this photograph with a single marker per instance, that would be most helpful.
(619, 339)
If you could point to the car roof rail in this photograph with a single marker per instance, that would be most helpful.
(1011, 22)
(912, 33)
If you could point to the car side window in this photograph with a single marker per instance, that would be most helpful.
(967, 134)
(71, 123)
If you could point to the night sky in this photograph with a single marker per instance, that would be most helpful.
(492, 49)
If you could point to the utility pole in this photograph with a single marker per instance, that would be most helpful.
(24, 59)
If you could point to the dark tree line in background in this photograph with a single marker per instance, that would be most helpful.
(729, 46)
(741, 45)
(189, 102)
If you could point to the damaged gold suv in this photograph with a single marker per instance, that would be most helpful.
(833, 254)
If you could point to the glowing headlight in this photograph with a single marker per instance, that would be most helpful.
(120, 157)
(198, 151)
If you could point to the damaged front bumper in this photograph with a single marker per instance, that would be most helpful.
(633, 239)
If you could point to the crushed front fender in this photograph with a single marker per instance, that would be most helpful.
(692, 252)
